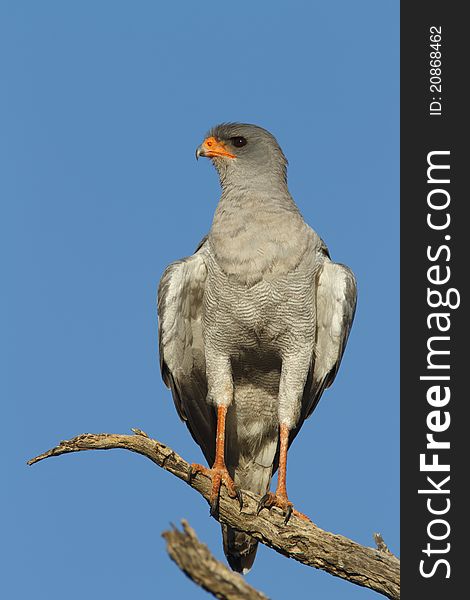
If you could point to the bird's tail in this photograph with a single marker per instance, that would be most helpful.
(253, 474)
(240, 549)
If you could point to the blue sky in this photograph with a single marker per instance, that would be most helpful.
(102, 107)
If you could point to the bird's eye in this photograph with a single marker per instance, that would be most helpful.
(238, 141)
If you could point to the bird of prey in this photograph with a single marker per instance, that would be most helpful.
(252, 326)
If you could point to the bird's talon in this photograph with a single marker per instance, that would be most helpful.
(194, 469)
(263, 503)
(214, 506)
(288, 513)
(269, 500)
(240, 498)
(218, 475)
(191, 474)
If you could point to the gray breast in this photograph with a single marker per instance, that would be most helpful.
(266, 316)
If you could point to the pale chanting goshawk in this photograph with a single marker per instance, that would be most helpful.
(252, 326)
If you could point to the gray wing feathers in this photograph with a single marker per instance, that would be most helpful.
(335, 307)
(182, 361)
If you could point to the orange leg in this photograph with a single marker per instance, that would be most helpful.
(219, 473)
(280, 498)
(281, 489)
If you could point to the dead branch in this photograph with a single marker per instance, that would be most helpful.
(198, 563)
(299, 539)
(381, 545)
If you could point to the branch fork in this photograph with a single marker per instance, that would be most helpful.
(300, 539)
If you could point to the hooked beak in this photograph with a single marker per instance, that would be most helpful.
(211, 147)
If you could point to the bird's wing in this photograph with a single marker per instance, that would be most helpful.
(335, 307)
(182, 360)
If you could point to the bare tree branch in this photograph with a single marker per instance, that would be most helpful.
(298, 539)
(198, 563)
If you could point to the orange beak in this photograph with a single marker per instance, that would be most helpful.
(211, 147)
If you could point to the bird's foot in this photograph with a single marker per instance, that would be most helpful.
(218, 475)
(280, 501)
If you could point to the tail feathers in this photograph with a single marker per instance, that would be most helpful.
(253, 474)
(240, 549)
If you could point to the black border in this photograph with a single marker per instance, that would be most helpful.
(422, 133)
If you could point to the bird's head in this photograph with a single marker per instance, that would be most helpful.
(244, 153)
